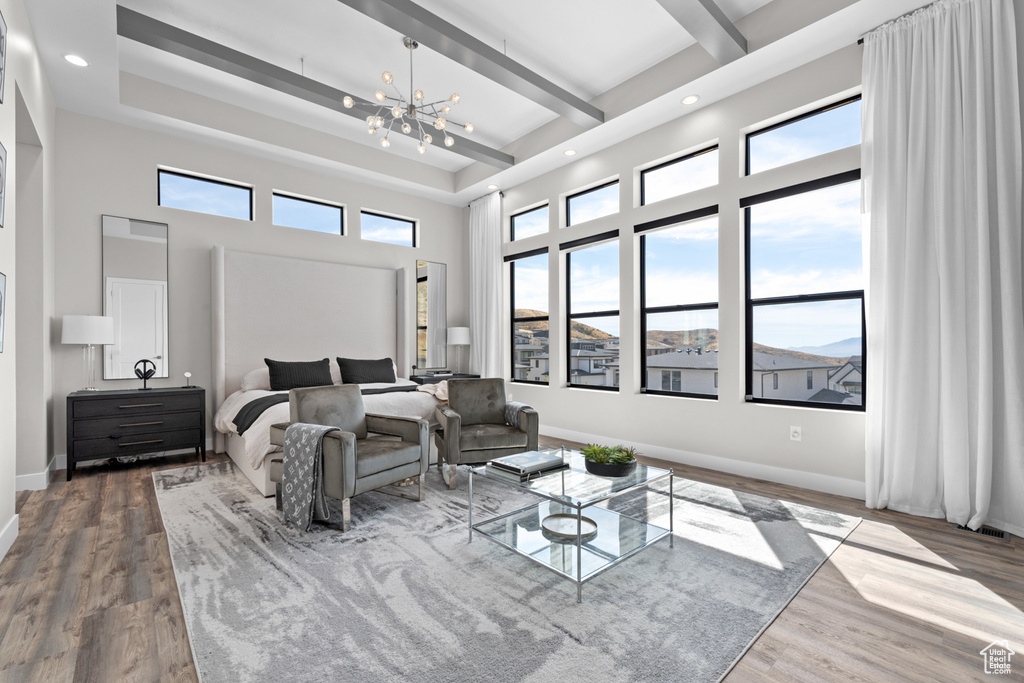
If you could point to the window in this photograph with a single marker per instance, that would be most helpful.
(592, 305)
(531, 355)
(308, 214)
(808, 135)
(191, 193)
(679, 176)
(596, 202)
(805, 292)
(378, 228)
(530, 223)
(679, 304)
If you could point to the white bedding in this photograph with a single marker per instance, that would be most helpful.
(257, 437)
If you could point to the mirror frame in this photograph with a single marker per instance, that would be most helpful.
(442, 334)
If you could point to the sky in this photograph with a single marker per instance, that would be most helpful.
(298, 213)
(383, 229)
(593, 204)
(815, 135)
(681, 177)
(530, 223)
(196, 194)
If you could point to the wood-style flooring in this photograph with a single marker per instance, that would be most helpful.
(87, 592)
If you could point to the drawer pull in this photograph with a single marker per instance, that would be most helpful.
(142, 405)
(141, 424)
(139, 443)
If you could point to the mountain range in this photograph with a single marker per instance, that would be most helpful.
(844, 348)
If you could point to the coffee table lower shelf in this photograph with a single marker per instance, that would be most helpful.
(618, 538)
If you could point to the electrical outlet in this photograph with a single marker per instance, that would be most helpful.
(795, 434)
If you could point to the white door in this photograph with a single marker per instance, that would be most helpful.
(139, 310)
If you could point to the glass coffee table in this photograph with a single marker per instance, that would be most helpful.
(566, 531)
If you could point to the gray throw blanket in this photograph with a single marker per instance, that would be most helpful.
(512, 410)
(303, 499)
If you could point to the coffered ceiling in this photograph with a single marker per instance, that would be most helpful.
(535, 77)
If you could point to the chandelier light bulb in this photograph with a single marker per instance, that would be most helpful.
(384, 142)
(422, 148)
(440, 123)
(454, 99)
(380, 95)
(428, 138)
(397, 112)
(469, 127)
(449, 141)
(418, 95)
(406, 128)
(387, 77)
(347, 101)
(445, 109)
(378, 122)
(371, 130)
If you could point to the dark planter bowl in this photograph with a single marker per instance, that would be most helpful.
(608, 469)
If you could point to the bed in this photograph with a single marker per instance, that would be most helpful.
(295, 309)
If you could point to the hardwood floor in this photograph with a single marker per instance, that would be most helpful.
(87, 592)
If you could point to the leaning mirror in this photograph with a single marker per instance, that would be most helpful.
(135, 295)
(431, 315)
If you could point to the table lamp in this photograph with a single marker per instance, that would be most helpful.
(89, 331)
(458, 337)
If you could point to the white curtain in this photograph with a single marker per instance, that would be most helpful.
(485, 302)
(942, 196)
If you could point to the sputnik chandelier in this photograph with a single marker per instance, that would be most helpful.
(410, 114)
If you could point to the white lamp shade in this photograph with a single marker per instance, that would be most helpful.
(458, 336)
(87, 329)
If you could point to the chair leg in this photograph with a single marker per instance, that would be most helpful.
(277, 496)
(413, 490)
(423, 481)
(346, 515)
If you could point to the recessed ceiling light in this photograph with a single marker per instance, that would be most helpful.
(569, 152)
(691, 99)
(492, 186)
(76, 60)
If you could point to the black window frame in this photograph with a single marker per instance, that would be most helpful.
(213, 181)
(511, 261)
(569, 248)
(285, 195)
(783, 124)
(750, 304)
(589, 190)
(410, 221)
(513, 217)
(642, 229)
(666, 164)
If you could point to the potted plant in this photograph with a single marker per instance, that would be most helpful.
(609, 461)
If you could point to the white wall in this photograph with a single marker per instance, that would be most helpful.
(29, 120)
(727, 434)
(107, 168)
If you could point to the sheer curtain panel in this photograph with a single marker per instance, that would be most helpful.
(485, 286)
(942, 198)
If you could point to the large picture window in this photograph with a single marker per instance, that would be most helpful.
(592, 305)
(679, 304)
(817, 132)
(203, 195)
(529, 223)
(679, 176)
(805, 294)
(531, 352)
(596, 202)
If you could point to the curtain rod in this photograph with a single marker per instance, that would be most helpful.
(500, 194)
(860, 41)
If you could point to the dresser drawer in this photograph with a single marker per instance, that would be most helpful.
(137, 405)
(136, 424)
(145, 442)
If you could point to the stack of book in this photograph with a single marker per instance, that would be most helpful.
(525, 466)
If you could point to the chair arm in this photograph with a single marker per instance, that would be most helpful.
(451, 423)
(277, 433)
(339, 464)
(411, 429)
(529, 422)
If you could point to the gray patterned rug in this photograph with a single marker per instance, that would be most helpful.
(404, 597)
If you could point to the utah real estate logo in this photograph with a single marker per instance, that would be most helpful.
(997, 657)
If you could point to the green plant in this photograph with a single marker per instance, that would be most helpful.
(615, 455)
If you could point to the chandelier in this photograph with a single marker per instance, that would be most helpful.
(414, 113)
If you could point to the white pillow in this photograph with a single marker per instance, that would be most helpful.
(257, 379)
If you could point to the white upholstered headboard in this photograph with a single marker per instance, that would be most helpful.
(294, 309)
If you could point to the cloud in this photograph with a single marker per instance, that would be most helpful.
(531, 283)
(531, 223)
(681, 177)
(594, 204)
(765, 283)
(828, 214)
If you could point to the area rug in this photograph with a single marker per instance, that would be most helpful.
(403, 596)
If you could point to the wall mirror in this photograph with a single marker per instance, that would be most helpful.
(431, 315)
(135, 295)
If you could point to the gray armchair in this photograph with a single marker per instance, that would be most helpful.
(354, 463)
(474, 427)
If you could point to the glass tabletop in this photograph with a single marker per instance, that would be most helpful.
(578, 487)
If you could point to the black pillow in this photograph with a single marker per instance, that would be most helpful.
(286, 375)
(355, 371)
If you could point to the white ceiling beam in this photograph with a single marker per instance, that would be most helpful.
(430, 30)
(148, 31)
(707, 23)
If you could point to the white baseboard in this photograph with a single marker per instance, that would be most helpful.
(8, 536)
(39, 480)
(808, 480)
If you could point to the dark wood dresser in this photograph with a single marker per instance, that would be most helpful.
(107, 424)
